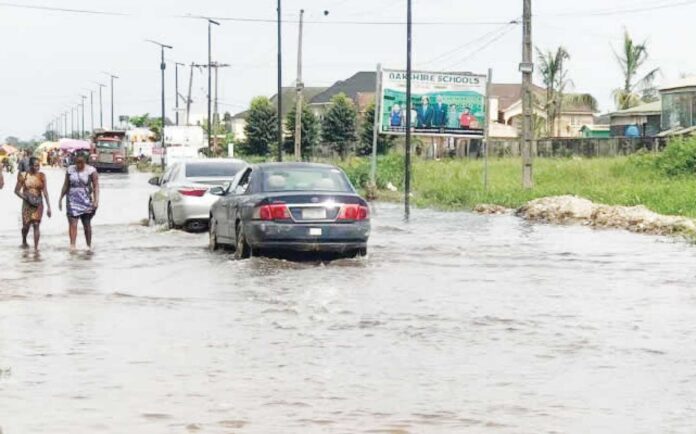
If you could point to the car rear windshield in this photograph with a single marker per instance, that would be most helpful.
(305, 179)
(212, 170)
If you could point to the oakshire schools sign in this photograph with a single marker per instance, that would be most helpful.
(442, 103)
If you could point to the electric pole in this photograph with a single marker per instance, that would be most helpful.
(65, 120)
(82, 129)
(101, 113)
(527, 69)
(176, 85)
(280, 86)
(300, 86)
(216, 114)
(210, 77)
(163, 66)
(407, 160)
(188, 98)
(112, 76)
(91, 110)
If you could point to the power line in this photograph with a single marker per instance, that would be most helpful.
(634, 9)
(56, 9)
(483, 47)
(352, 22)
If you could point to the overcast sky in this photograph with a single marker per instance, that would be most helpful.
(49, 58)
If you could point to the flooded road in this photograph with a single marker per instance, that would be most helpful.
(454, 323)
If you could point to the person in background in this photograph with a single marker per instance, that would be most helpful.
(425, 113)
(81, 187)
(396, 117)
(31, 186)
(2, 178)
(452, 117)
(466, 120)
(23, 166)
(440, 113)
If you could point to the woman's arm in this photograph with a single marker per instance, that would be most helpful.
(18, 187)
(64, 191)
(45, 194)
(95, 188)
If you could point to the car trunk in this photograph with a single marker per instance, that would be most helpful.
(315, 207)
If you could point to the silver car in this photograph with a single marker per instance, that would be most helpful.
(183, 199)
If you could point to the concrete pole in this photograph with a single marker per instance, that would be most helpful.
(300, 85)
(527, 68)
(375, 126)
(486, 131)
(188, 97)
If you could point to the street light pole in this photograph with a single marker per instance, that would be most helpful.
(407, 168)
(300, 85)
(210, 77)
(176, 85)
(280, 85)
(65, 121)
(112, 76)
(82, 129)
(163, 66)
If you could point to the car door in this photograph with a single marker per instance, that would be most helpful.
(159, 197)
(219, 210)
(240, 199)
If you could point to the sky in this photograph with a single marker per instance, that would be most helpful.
(49, 58)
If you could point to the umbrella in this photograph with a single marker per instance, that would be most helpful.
(71, 145)
(8, 149)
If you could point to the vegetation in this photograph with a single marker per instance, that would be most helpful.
(631, 58)
(367, 128)
(458, 184)
(310, 131)
(339, 125)
(261, 128)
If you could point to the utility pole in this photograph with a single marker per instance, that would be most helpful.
(375, 127)
(91, 110)
(188, 98)
(300, 86)
(407, 160)
(210, 77)
(280, 86)
(527, 69)
(82, 129)
(176, 85)
(72, 122)
(65, 120)
(216, 114)
(101, 113)
(163, 66)
(112, 76)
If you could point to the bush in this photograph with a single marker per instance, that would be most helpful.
(679, 158)
(390, 168)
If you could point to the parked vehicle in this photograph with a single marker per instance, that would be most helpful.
(278, 207)
(109, 151)
(183, 198)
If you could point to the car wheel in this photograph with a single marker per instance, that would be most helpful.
(212, 236)
(358, 253)
(170, 218)
(151, 220)
(242, 249)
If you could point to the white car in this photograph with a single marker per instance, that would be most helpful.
(183, 199)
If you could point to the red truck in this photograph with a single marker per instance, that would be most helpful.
(109, 151)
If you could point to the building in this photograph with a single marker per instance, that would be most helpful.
(644, 118)
(360, 87)
(678, 108)
(597, 131)
(505, 101)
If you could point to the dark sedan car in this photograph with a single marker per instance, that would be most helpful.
(301, 207)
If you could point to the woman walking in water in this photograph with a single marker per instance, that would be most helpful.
(31, 186)
(81, 186)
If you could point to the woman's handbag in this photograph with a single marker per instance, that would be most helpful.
(33, 199)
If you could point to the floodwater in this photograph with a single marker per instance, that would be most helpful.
(454, 323)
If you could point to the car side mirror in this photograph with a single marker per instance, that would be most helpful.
(217, 191)
(154, 181)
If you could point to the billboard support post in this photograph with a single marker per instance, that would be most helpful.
(487, 130)
(375, 127)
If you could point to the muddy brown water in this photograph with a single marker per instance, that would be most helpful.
(454, 323)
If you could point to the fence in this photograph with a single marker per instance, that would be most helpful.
(578, 147)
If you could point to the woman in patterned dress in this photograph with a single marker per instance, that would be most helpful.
(31, 186)
(81, 187)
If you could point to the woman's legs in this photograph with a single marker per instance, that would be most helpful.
(25, 232)
(37, 234)
(72, 231)
(87, 226)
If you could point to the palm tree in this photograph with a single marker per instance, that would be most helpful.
(555, 78)
(631, 58)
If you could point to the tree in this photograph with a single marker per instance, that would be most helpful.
(140, 121)
(367, 128)
(261, 127)
(634, 91)
(12, 140)
(339, 124)
(310, 131)
(555, 78)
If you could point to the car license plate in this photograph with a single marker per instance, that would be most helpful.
(315, 232)
(314, 213)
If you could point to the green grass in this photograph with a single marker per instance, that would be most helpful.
(458, 184)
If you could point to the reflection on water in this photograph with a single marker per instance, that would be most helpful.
(454, 323)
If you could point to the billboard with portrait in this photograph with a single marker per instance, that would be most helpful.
(442, 103)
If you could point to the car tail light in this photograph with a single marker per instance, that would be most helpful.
(274, 211)
(354, 212)
(196, 192)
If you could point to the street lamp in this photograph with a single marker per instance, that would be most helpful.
(210, 76)
(91, 108)
(112, 76)
(82, 103)
(280, 86)
(101, 114)
(163, 66)
(176, 85)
